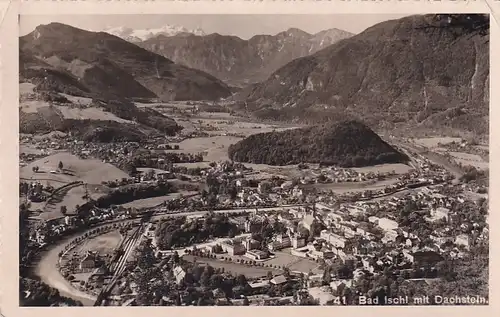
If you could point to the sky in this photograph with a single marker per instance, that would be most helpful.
(243, 26)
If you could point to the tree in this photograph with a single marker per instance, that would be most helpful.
(286, 272)
(241, 280)
(60, 165)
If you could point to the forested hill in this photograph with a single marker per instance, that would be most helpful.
(348, 144)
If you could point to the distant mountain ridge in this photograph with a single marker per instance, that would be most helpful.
(237, 61)
(428, 71)
(61, 58)
(138, 35)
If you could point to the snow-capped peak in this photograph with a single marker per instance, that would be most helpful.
(137, 35)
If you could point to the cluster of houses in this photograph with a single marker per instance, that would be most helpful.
(59, 226)
(342, 175)
(352, 240)
(34, 191)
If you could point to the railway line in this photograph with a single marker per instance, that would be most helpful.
(118, 266)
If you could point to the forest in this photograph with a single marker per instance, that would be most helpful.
(345, 144)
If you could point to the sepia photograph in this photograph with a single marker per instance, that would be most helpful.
(254, 160)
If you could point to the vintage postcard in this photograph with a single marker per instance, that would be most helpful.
(295, 155)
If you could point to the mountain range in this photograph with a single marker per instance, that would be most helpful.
(237, 61)
(428, 71)
(139, 35)
(61, 58)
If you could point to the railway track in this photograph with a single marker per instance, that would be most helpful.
(118, 268)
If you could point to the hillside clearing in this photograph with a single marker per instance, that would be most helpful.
(92, 113)
(89, 171)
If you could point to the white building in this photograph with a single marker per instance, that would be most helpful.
(440, 213)
(334, 239)
(463, 239)
(387, 224)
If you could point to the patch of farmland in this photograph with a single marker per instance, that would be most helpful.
(77, 100)
(470, 159)
(215, 146)
(26, 88)
(294, 263)
(154, 201)
(434, 141)
(32, 106)
(384, 168)
(89, 171)
(92, 113)
(104, 243)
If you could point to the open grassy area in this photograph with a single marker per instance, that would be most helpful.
(104, 243)
(216, 146)
(470, 159)
(32, 106)
(294, 263)
(89, 171)
(354, 186)
(92, 113)
(26, 88)
(70, 199)
(153, 201)
(434, 141)
(234, 268)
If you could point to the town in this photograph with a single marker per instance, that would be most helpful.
(239, 236)
(317, 166)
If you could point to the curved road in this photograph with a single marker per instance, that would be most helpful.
(46, 268)
(50, 275)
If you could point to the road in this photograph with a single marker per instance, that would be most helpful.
(50, 275)
(47, 270)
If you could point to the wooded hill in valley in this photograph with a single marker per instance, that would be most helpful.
(346, 144)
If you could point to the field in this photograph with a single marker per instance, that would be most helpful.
(234, 268)
(153, 201)
(434, 142)
(294, 263)
(89, 171)
(70, 199)
(26, 88)
(77, 100)
(92, 113)
(215, 146)
(103, 244)
(385, 168)
(354, 186)
(459, 157)
(470, 159)
(32, 106)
